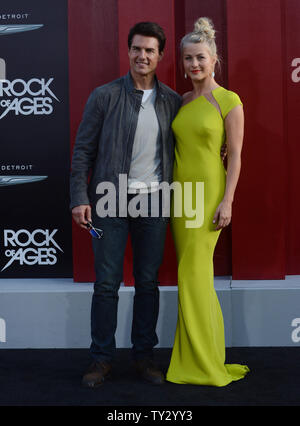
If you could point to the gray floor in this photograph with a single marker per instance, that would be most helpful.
(55, 313)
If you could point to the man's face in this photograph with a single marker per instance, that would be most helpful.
(144, 55)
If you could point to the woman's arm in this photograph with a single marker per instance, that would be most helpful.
(234, 127)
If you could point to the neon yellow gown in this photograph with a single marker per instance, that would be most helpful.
(198, 355)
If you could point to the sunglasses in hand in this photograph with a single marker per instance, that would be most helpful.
(95, 232)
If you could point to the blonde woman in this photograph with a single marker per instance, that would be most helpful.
(210, 116)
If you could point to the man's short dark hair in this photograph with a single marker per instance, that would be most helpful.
(148, 29)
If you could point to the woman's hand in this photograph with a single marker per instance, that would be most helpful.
(223, 213)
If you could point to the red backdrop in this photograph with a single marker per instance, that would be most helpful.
(257, 42)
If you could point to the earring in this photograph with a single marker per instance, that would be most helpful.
(185, 76)
(213, 74)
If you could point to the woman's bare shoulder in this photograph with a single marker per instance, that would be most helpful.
(186, 97)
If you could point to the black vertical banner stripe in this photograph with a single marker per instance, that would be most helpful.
(35, 225)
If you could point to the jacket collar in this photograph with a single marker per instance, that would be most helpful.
(130, 85)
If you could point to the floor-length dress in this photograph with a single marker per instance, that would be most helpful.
(198, 355)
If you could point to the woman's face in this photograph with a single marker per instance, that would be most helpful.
(197, 61)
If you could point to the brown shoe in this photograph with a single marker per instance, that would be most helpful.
(148, 371)
(96, 374)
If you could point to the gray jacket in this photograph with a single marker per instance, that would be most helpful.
(105, 136)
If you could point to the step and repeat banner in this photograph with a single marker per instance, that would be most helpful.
(263, 241)
(53, 53)
(35, 225)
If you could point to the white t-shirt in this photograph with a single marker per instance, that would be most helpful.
(145, 168)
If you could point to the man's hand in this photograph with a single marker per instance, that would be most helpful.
(82, 215)
(223, 151)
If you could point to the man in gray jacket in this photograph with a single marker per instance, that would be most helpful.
(126, 131)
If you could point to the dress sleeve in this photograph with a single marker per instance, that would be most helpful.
(229, 101)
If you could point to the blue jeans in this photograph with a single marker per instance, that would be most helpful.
(147, 239)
